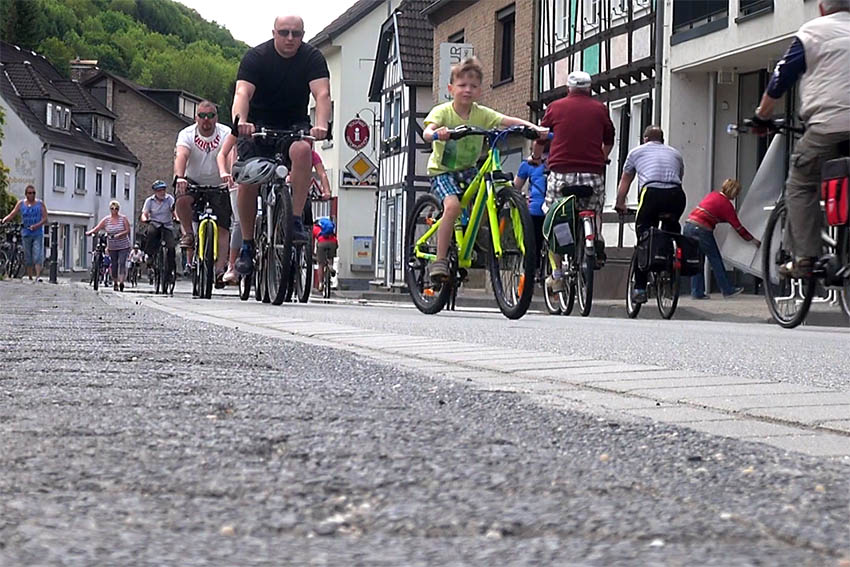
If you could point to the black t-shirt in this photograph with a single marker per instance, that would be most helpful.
(282, 84)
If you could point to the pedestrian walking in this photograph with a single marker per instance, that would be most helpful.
(33, 218)
(118, 243)
(715, 208)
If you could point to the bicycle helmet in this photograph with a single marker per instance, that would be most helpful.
(159, 184)
(252, 171)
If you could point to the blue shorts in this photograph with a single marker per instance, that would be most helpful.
(33, 250)
(452, 183)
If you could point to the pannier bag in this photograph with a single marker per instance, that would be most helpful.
(655, 250)
(835, 178)
(559, 226)
(688, 255)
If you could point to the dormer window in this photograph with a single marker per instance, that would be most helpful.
(58, 116)
(102, 128)
(188, 107)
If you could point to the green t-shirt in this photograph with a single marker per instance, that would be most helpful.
(457, 155)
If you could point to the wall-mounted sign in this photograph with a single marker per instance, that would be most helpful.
(356, 134)
(361, 166)
(451, 54)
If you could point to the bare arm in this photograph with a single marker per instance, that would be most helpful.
(766, 106)
(97, 227)
(323, 179)
(241, 104)
(181, 158)
(623, 190)
(321, 91)
(519, 182)
(606, 149)
(433, 131)
(14, 212)
(43, 220)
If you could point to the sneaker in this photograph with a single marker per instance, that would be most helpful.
(735, 291)
(121, 287)
(700, 297)
(245, 261)
(802, 268)
(187, 241)
(556, 282)
(219, 281)
(438, 270)
(601, 256)
(298, 232)
(638, 296)
(38, 280)
(230, 276)
(114, 287)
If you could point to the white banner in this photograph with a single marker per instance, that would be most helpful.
(451, 54)
(754, 211)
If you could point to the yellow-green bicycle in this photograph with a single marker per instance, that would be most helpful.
(206, 251)
(491, 201)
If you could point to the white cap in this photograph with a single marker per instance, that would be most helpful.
(579, 79)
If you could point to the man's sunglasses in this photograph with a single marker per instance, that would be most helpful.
(206, 115)
(291, 33)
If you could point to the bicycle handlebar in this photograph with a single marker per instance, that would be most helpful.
(778, 125)
(464, 131)
(272, 133)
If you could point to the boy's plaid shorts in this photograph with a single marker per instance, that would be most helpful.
(452, 183)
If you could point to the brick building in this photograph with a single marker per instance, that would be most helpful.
(148, 121)
(502, 35)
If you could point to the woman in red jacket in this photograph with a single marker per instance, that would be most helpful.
(715, 208)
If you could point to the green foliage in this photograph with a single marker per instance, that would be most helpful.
(157, 43)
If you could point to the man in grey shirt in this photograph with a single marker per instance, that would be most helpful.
(660, 170)
(158, 212)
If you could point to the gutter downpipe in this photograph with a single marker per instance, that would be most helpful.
(709, 154)
(659, 56)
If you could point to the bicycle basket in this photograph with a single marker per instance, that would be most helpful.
(559, 226)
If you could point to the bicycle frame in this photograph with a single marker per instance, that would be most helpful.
(483, 189)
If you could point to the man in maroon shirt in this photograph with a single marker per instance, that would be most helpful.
(583, 136)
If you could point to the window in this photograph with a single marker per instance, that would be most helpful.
(562, 19)
(79, 178)
(113, 183)
(66, 119)
(752, 7)
(189, 107)
(591, 14)
(388, 117)
(505, 36)
(457, 37)
(98, 181)
(127, 186)
(102, 129)
(50, 114)
(397, 114)
(59, 174)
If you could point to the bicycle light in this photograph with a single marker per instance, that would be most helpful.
(281, 171)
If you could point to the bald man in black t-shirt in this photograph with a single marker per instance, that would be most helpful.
(273, 88)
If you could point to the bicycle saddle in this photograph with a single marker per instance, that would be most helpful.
(579, 191)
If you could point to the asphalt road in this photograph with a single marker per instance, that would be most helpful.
(131, 437)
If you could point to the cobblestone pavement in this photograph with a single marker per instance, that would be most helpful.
(131, 437)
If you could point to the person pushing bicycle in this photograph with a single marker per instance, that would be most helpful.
(819, 57)
(452, 162)
(583, 139)
(660, 170)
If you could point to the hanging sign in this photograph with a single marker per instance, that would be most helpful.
(356, 134)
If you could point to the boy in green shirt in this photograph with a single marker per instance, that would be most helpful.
(452, 162)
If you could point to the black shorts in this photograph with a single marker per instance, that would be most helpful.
(247, 148)
(220, 203)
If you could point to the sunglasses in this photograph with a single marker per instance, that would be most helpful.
(291, 33)
(113, 208)
(206, 115)
(30, 192)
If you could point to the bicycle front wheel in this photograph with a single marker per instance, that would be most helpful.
(279, 261)
(512, 271)
(843, 251)
(788, 299)
(428, 297)
(667, 292)
(208, 264)
(632, 308)
(95, 275)
(304, 272)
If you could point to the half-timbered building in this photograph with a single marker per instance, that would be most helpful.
(401, 86)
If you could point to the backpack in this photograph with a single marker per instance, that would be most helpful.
(559, 226)
(326, 226)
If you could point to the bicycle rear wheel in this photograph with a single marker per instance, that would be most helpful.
(667, 292)
(429, 298)
(279, 261)
(304, 272)
(326, 288)
(788, 299)
(552, 299)
(95, 276)
(585, 265)
(843, 252)
(512, 272)
(632, 308)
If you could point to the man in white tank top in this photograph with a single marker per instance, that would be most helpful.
(819, 56)
(196, 151)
